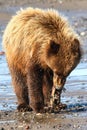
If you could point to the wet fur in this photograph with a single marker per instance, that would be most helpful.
(30, 41)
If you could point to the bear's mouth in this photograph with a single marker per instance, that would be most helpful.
(58, 81)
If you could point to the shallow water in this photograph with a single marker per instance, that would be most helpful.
(7, 96)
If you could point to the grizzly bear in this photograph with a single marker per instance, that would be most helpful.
(41, 50)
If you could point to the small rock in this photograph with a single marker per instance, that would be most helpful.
(59, 125)
(23, 114)
(38, 126)
(63, 117)
(80, 97)
(79, 126)
(60, 1)
(27, 127)
(39, 114)
(76, 114)
(82, 33)
(6, 113)
(74, 126)
(54, 126)
(12, 128)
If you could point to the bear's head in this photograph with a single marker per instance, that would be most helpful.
(62, 58)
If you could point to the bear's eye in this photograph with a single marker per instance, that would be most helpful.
(54, 47)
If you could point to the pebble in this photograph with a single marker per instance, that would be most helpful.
(80, 97)
(74, 126)
(27, 127)
(82, 33)
(63, 117)
(54, 126)
(60, 1)
(6, 113)
(69, 125)
(76, 24)
(12, 128)
(60, 125)
(20, 126)
(23, 114)
(38, 126)
(39, 114)
(76, 114)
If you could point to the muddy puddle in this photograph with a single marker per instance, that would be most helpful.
(75, 96)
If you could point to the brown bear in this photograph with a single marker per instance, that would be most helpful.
(41, 50)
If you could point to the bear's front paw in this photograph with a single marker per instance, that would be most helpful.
(56, 108)
(59, 107)
(24, 108)
(38, 107)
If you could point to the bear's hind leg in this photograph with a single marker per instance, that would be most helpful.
(21, 89)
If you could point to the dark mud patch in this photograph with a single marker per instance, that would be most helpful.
(79, 107)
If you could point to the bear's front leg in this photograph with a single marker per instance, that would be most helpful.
(55, 101)
(57, 105)
(35, 81)
(58, 84)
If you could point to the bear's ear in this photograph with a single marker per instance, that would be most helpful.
(76, 41)
(54, 47)
(75, 46)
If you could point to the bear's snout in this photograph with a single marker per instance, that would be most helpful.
(58, 81)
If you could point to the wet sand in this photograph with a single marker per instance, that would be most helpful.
(74, 117)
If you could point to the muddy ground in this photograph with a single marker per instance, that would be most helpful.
(74, 117)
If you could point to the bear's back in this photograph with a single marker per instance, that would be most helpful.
(29, 33)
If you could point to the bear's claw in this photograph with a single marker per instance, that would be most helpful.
(57, 108)
(24, 108)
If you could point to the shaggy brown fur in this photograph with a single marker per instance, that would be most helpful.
(41, 50)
